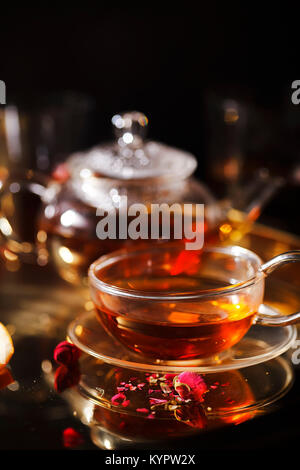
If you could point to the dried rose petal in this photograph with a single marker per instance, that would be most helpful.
(190, 385)
(120, 399)
(157, 401)
(126, 403)
(132, 388)
(66, 353)
(66, 377)
(142, 410)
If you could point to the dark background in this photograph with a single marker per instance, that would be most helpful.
(168, 62)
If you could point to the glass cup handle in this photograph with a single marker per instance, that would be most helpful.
(267, 268)
(33, 183)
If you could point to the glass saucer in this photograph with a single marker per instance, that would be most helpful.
(259, 345)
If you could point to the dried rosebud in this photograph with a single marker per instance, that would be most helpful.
(72, 438)
(66, 353)
(191, 414)
(190, 386)
(66, 377)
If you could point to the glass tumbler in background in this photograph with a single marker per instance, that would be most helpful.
(36, 135)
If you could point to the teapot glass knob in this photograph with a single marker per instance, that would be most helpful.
(130, 128)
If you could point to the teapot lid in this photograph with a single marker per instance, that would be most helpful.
(131, 157)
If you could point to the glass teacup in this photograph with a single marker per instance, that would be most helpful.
(175, 304)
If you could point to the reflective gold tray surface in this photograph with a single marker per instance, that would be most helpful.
(37, 307)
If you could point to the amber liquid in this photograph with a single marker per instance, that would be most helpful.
(178, 335)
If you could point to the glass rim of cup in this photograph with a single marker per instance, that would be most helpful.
(116, 256)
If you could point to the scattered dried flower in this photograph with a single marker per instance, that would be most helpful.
(66, 377)
(142, 410)
(72, 438)
(190, 385)
(66, 353)
(119, 399)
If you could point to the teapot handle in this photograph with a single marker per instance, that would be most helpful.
(13, 247)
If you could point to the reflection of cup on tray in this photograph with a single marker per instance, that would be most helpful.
(168, 303)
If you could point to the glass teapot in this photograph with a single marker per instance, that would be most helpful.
(92, 184)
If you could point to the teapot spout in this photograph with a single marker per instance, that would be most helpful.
(246, 205)
(251, 199)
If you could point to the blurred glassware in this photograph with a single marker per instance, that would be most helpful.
(242, 137)
(226, 124)
(36, 134)
(39, 132)
(91, 184)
